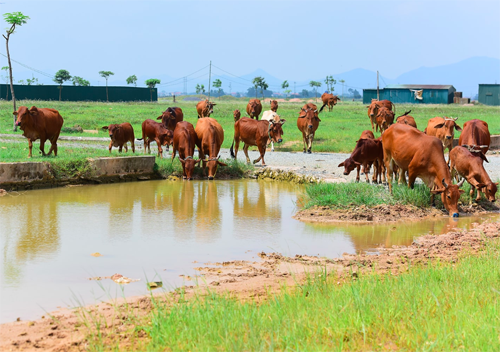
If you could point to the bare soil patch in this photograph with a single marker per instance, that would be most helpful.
(246, 280)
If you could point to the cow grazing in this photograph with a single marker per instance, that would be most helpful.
(407, 119)
(205, 108)
(155, 131)
(444, 129)
(44, 124)
(469, 165)
(171, 117)
(120, 135)
(330, 100)
(236, 115)
(254, 108)
(367, 151)
(257, 133)
(375, 106)
(210, 136)
(308, 123)
(476, 133)
(185, 142)
(422, 156)
(270, 115)
(274, 105)
(384, 119)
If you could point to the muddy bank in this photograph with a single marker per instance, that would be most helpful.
(65, 330)
(386, 213)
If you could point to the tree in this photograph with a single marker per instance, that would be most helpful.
(256, 84)
(200, 89)
(305, 93)
(329, 81)
(61, 77)
(315, 85)
(263, 86)
(151, 83)
(217, 84)
(14, 19)
(287, 92)
(132, 80)
(105, 75)
(79, 81)
(31, 81)
(285, 85)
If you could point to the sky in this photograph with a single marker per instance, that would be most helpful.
(293, 40)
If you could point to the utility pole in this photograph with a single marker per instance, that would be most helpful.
(185, 86)
(294, 87)
(209, 79)
(378, 92)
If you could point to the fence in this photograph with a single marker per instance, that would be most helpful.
(78, 93)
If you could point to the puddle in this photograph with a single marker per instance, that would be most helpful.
(158, 231)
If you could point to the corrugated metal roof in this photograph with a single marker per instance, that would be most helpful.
(419, 86)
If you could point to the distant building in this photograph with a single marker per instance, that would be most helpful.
(412, 94)
(489, 94)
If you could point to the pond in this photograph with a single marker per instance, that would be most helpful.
(159, 230)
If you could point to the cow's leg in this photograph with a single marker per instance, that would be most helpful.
(125, 146)
(30, 146)
(236, 147)
(272, 146)
(311, 139)
(389, 166)
(110, 146)
(53, 147)
(262, 150)
(132, 145)
(245, 150)
(401, 176)
(174, 152)
(366, 175)
(412, 176)
(42, 146)
(160, 151)
(120, 148)
(304, 140)
(358, 167)
(375, 171)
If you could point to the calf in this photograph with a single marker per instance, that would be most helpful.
(155, 131)
(184, 142)
(254, 108)
(470, 166)
(270, 115)
(385, 118)
(236, 115)
(407, 119)
(171, 117)
(308, 123)
(375, 106)
(476, 133)
(366, 151)
(257, 133)
(120, 135)
(205, 108)
(274, 105)
(44, 124)
(444, 129)
(209, 138)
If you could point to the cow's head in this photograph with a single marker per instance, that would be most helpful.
(236, 115)
(373, 109)
(213, 164)
(23, 114)
(112, 129)
(276, 130)
(251, 108)
(449, 126)
(385, 118)
(189, 163)
(310, 116)
(332, 101)
(210, 106)
(166, 137)
(274, 105)
(168, 118)
(489, 190)
(349, 165)
(450, 194)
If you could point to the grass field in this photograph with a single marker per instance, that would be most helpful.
(338, 130)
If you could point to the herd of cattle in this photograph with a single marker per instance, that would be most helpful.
(401, 149)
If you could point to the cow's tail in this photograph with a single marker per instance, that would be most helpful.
(320, 110)
(394, 107)
(232, 151)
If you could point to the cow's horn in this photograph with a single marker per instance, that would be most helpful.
(444, 184)
(461, 183)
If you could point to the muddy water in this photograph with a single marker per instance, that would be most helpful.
(158, 230)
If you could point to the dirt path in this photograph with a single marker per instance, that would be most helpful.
(65, 330)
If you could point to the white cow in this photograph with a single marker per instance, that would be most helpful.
(270, 115)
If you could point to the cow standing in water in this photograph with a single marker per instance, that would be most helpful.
(205, 108)
(210, 136)
(44, 124)
(120, 135)
(254, 108)
(308, 123)
(184, 142)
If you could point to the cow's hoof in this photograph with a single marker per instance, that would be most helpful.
(309, 151)
(304, 151)
(210, 178)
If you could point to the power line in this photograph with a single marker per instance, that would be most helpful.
(30, 68)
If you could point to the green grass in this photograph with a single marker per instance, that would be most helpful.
(439, 307)
(338, 132)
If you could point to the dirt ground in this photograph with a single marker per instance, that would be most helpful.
(68, 330)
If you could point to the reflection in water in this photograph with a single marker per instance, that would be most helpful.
(158, 229)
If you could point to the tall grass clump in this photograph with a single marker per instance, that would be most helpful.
(345, 194)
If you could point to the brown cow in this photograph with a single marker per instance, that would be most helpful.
(205, 108)
(330, 100)
(407, 119)
(366, 151)
(184, 142)
(44, 124)
(367, 134)
(444, 129)
(254, 108)
(171, 117)
(373, 109)
(274, 105)
(210, 136)
(155, 131)
(258, 133)
(384, 119)
(476, 133)
(422, 156)
(470, 166)
(236, 115)
(120, 135)
(308, 123)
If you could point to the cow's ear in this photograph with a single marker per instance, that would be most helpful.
(159, 117)
(105, 127)
(318, 118)
(341, 164)
(221, 163)
(438, 191)
(496, 183)
(439, 126)
(33, 110)
(480, 185)
(197, 161)
(355, 162)
(213, 104)
(282, 121)
(458, 128)
(15, 113)
(182, 161)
